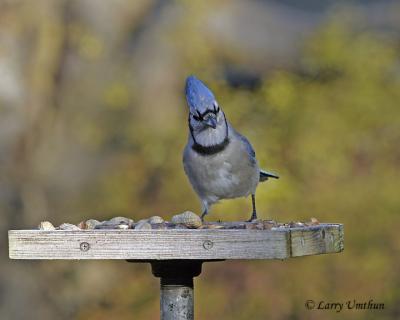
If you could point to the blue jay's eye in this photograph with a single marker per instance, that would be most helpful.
(201, 116)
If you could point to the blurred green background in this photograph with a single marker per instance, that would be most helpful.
(93, 122)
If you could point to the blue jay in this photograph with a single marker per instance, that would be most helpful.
(219, 162)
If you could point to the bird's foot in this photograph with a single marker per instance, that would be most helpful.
(253, 217)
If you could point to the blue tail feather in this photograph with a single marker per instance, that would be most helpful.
(264, 175)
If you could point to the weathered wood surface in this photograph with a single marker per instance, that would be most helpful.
(277, 243)
(316, 240)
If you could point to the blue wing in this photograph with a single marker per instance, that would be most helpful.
(249, 148)
(264, 175)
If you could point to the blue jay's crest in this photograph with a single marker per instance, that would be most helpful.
(198, 96)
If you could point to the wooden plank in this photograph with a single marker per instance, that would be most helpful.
(149, 244)
(277, 243)
(324, 238)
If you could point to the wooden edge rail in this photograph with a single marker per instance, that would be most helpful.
(203, 244)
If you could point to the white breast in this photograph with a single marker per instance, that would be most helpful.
(228, 174)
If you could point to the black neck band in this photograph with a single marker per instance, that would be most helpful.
(213, 149)
(210, 150)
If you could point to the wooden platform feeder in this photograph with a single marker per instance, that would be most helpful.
(176, 255)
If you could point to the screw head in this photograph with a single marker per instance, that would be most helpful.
(84, 246)
(208, 244)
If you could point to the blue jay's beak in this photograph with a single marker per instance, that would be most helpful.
(210, 122)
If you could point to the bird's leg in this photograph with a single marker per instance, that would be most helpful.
(254, 213)
(205, 209)
(204, 214)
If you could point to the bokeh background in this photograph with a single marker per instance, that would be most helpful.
(93, 122)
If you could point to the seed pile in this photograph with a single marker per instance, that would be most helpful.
(185, 220)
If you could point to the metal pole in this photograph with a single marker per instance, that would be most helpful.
(176, 287)
(176, 299)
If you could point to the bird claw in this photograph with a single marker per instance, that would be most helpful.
(253, 217)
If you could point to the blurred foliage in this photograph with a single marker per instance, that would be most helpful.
(99, 132)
